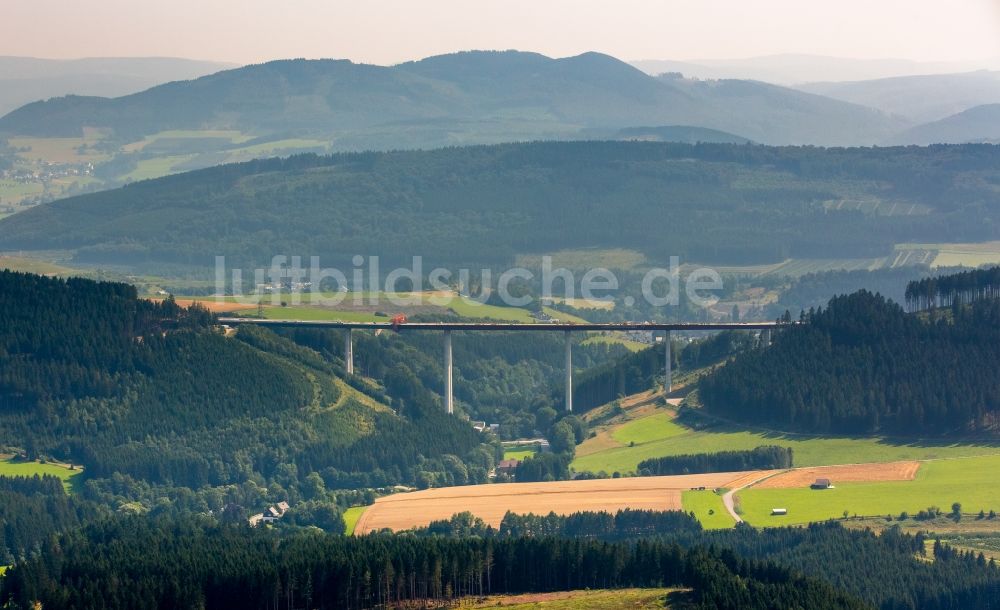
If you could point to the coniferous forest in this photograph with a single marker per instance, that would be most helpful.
(864, 365)
(182, 430)
(151, 563)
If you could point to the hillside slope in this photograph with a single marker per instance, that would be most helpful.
(464, 97)
(923, 98)
(737, 204)
(863, 366)
(147, 395)
(979, 124)
(27, 79)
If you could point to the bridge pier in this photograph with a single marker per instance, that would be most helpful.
(349, 352)
(449, 401)
(667, 380)
(569, 372)
(765, 337)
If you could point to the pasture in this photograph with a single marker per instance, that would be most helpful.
(518, 453)
(351, 516)
(12, 191)
(660, 434)
(11, 467)
(33, 265)
(492, 501)
(58, 150)
(156, 167)
(969, 481)
(585, 259)
(227, 136)
(707, 508)
(613, 339)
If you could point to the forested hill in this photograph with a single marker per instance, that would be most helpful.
(463, 97)
(146, 394)
(707, 203)
(863, 365)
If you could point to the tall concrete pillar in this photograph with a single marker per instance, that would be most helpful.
(569, 372)
(765, 337)
(667, 380)
(349, 351)
(449, 401)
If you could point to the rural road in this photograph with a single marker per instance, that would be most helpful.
(727, 501)
(728, 498)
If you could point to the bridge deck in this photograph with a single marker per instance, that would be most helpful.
(506, 326)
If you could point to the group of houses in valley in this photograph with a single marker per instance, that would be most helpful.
(272, 514)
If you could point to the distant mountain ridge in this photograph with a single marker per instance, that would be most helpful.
(794, 69)
(975, 125)
(27, 79)
(922, 98)
(471, 97)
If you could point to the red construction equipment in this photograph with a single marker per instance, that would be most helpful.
(397, 320)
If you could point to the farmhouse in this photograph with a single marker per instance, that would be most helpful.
(272, 514)
(822, 484)
(507, 467)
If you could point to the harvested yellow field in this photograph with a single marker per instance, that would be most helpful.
(849, 473)
(211, 304)
(491, 502)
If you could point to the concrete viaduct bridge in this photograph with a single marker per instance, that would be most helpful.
(766, 328)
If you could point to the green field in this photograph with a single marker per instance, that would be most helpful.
(276, 147)
(655, 427)
(660, 435)
(585, 259)
(11, 191)
(156, 167)
(32, 265)
(11, 468)
(473, 309)
(230, 136)
(708, 508)
(306, 312)
(518, 454)
(617, 599)
(632, 346)
(351, 516)
(970, 481)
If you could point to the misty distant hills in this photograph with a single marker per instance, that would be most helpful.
(975, 125)
(473, 97)
(919, 98)
(27, 79)
(793, 69)
(713, 203)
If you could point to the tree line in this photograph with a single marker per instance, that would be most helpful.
(958, 288)
(759, 458)
(133, 563)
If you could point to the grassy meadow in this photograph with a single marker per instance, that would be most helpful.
(660, 434)
(969, 481)
(351, 517)
(518, 453)
(708, 508)
(10, 467)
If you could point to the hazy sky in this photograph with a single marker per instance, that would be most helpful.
(390, 31)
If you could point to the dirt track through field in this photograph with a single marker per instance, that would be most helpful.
(491, 502)
(848, 473)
